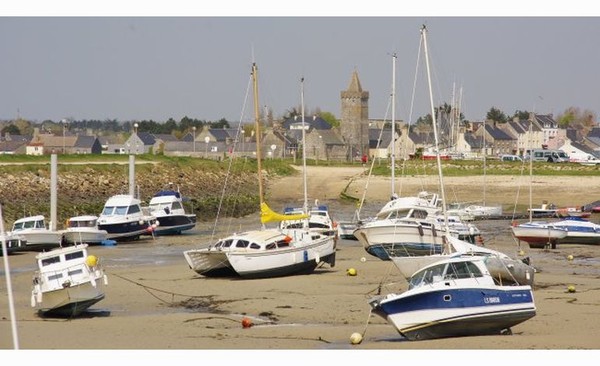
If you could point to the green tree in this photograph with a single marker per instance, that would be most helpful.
(575, 118)
(496, 115)
(330, 118)
(521, 115)
(10, 129)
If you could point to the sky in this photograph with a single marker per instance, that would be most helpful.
(157, 63)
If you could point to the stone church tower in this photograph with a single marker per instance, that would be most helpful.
(354, 124)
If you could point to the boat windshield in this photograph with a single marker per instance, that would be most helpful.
(427, 276)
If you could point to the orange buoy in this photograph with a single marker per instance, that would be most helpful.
(246, 322)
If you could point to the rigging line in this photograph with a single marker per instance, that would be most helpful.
(230, 163)
(362, 200)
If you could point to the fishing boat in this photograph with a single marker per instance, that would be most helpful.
(264, 253)
(167, 207)
(455, 297)
(68, 281)
(123, 218)
(84, 229)
(36, 233)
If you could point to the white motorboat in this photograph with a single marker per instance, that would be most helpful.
(84, 229)
(37, 235)
(412, 226)
(318, 220)
(538, 234)
(14, 242)
(579, 231)
(455, 297)
(123, 218)
(68, 281)
(167, 206)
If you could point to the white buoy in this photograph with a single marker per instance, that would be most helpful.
(363, 259)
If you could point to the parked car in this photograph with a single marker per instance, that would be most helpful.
(510, 158)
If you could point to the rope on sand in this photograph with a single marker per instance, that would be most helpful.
(149, 288)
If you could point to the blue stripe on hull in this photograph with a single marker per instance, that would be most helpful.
(172, 225)
(383, 251)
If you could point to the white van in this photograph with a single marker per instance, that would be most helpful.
(549, 155)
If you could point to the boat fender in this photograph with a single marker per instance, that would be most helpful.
(421, 233)
(38, 297)
(317, 258)
(33, 300)
(105, 280)
(433, 231)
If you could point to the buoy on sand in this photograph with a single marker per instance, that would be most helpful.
(246, 322)
(570, 257)
(351, 272)
(363, 259)
(571, 288)
(356, 338)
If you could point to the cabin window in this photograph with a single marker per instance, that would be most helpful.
(317, 225)
(108, 210)
(39, 225)
(75, 272)
(176, 206)
(242, 244)
(419, 214)
(74, 255)
(133, 209)
(271, 246)
(227, 243)
(254, 246)
(463, 270)
(55, 276)
(48, 261)
(282, 244)
(121, 210)
(219, 244)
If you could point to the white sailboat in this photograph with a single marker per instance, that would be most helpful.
(409, 226)
(264, 252)
(504, 267)
(538, 234)
(319, 218)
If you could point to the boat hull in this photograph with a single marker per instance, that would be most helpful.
(128, 230)
(209, 262)
(457, 312)
(83, 235)
(174, 224)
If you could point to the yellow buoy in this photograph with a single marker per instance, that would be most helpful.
(521, 253)
(356, 338)
(570, 257)
(91, 261)
(351, 272)
(571, 288)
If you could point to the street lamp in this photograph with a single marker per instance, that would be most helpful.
(206, 141)
(64, 123)
(135, 127)
(194, 129)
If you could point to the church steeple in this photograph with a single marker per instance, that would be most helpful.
(354, 124)
(354, 83)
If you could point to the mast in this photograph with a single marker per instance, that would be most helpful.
(530, 170)
(435, 133)
(393, 160)
(257, 130)
(305, 205)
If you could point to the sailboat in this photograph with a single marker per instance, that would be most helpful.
(264, 252)
(412, 225)
(319, 219)
(457, 293)
(538, 234)
(500, 265)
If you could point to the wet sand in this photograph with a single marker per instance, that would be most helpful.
(155, 302)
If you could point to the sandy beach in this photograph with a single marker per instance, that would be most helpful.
(155, 302)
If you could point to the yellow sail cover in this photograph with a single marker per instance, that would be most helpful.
(268, 215)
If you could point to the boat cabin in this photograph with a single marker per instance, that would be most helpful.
(32, 222)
